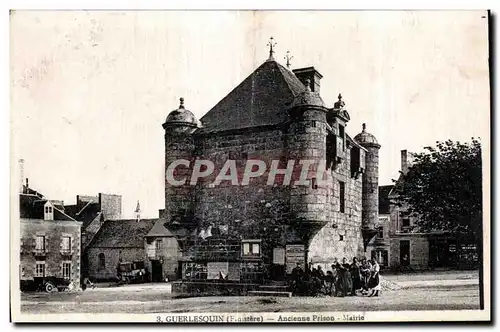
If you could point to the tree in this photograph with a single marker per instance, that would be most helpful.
(443, 189)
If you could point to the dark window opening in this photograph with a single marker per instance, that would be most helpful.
(102, 262)
(342, 136)
(380, 233)
(330, 151)
(341, 237)
(342, 196)
(405, 224)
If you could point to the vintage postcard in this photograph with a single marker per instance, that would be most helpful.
(250, 166)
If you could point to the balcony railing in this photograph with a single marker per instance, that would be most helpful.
(40, 251)
(66, 252)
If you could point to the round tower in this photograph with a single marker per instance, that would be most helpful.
(179, 145)
(306, 141)
(370, 184)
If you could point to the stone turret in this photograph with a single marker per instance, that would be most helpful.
(307, 134)
(370, 184)
(179, 145)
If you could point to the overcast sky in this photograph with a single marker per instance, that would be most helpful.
(90, 90)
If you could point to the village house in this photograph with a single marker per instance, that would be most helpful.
(412, 249)
(50, 242)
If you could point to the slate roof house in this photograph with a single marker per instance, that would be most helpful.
(50, 241)
(254, 232)
(117, 241)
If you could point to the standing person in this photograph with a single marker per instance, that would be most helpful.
(334, 278)
(374, 283)
(297, 274)
(355, 276)
(348, 278)
(340, 289)
(366, 270)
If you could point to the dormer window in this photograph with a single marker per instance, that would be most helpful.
(342, 136)
(48, 211)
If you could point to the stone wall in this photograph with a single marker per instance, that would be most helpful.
(419, 251)
(112, 258)
(250, 211)
(262, 211)
(53, 258)
(327, 244)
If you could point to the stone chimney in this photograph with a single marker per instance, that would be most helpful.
(404, 161)
(303, 74)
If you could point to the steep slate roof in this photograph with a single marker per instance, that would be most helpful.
(261, 99)
(128, 233)
(159, 230)
(383, 199)
(31, 207)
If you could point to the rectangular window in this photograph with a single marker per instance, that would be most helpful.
(255, 248)
(246, 248)
(405, 224)
(342, 136)
(66, 243)
(380, 233)
(342, 196)
(40, 269)
(40, 243)
(158, 244)
(66, 269)
(251, 248)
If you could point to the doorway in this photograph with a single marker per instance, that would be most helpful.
(404, 252)
(156, 271)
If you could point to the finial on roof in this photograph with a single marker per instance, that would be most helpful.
(364, 126)
(308, 84)
(288, 57)
(271, 45)
(339, 104)
(182, 102)
(138, 208)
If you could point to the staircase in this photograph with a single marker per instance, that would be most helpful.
(279, 289)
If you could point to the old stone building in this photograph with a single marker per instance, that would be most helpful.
(256, 227)
(120, 240)
(50, 242)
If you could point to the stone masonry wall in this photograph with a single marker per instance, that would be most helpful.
(248, 211)
(53, 232)
(327, 244)
(112, 257)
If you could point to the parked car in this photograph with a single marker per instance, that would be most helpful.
(131, 272)
(46, 284)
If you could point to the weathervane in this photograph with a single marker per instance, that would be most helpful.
(288, 57)
(271, 45)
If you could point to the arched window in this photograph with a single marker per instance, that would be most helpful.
(102, 262)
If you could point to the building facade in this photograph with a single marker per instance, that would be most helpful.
(254, 228)
(117, 241)
(411, 249)
(50, 242)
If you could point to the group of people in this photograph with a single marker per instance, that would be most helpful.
(344, 279)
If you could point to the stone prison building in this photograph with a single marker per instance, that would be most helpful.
(258, 231)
